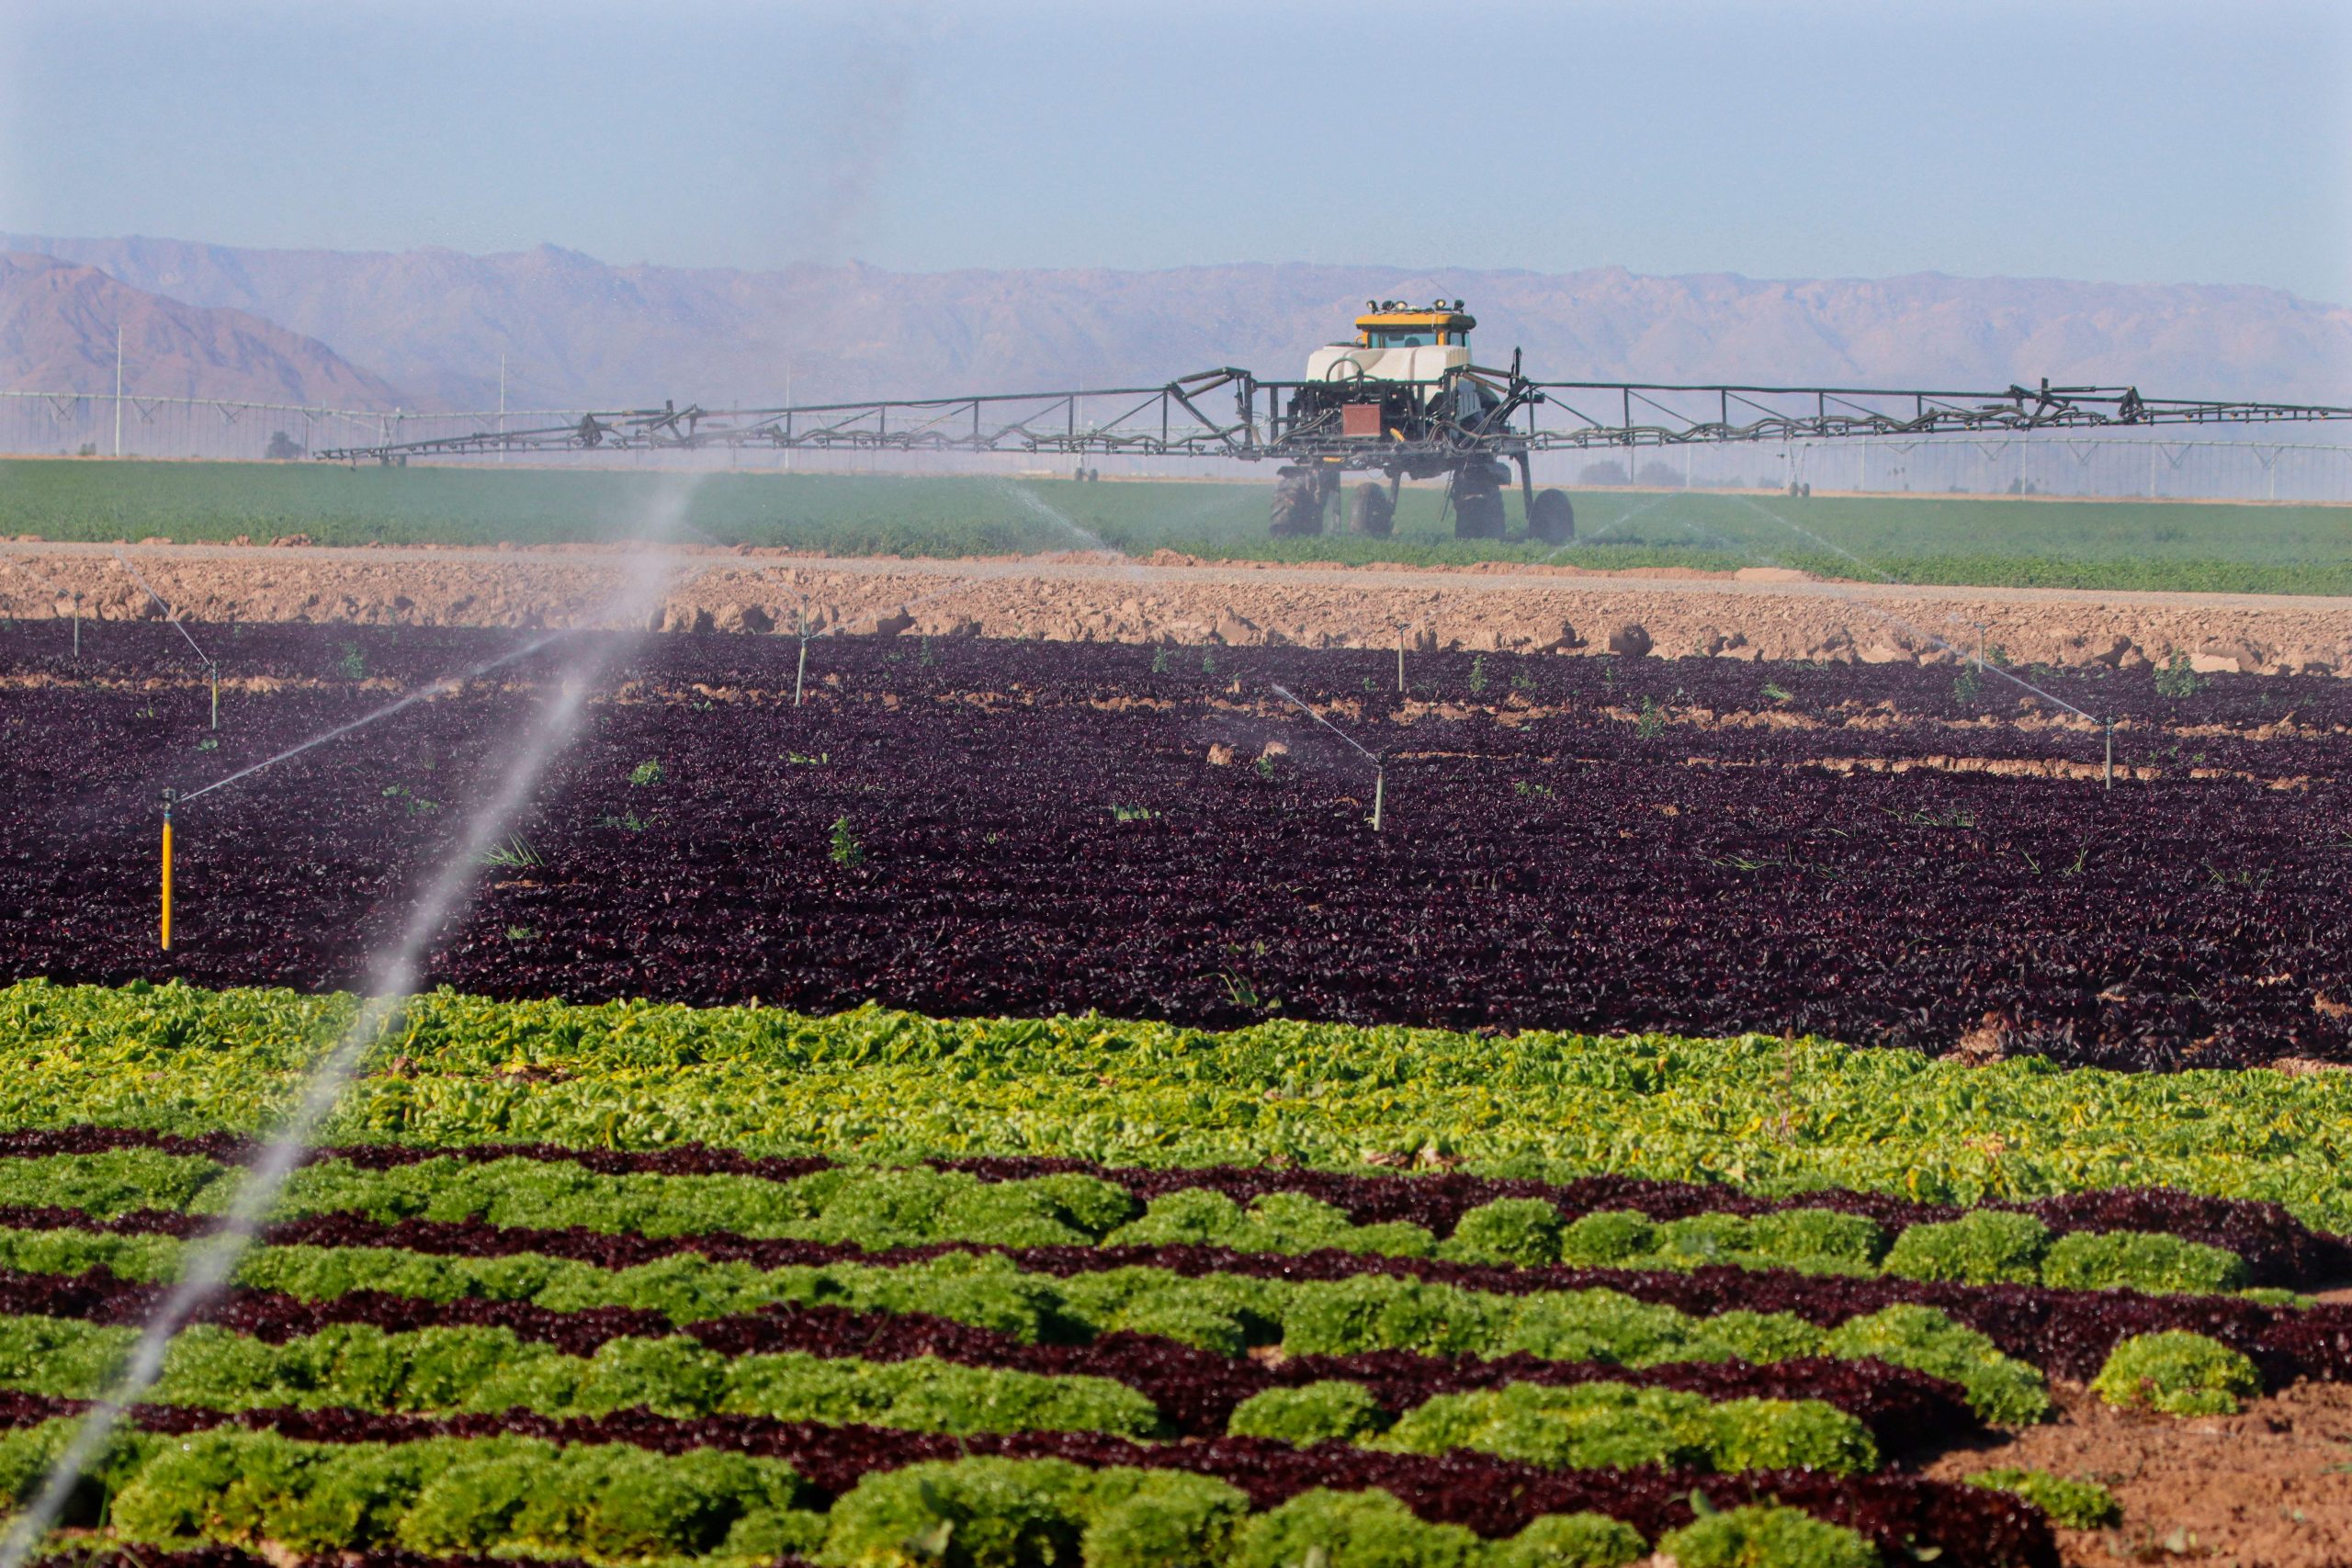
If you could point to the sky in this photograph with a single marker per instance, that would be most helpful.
(2159, 142)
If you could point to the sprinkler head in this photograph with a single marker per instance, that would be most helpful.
(171, 797)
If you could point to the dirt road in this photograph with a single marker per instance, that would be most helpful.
(1754, 614)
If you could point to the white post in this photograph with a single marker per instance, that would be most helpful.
(118, 389)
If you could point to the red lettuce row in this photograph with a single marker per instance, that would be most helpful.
(1825, 876)
(2278, 1250)
(1196, 1390)
(1904, 1516)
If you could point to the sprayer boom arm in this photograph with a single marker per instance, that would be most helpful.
(1510, 416)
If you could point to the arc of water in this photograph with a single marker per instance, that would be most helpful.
(1284, 693)
(446, 683)
(1892, 619)
(169, 613)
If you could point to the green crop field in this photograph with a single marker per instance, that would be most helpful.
(1962, 540)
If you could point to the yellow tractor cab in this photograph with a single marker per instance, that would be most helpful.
(1391, 325)
(1396, 342)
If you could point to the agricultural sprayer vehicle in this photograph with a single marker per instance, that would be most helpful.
(1403, 400)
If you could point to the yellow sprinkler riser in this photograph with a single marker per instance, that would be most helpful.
(167, 880)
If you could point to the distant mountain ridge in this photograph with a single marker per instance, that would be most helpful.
(58, 321)
(580, 333)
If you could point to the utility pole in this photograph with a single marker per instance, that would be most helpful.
(502, 406)
(118, 388)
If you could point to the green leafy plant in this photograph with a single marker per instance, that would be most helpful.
(1133, 814)
(1334, 1529)
(1479, 674)
(2176, 678)
(353, 665)
(1765, 1536)
(846, 848)
(415, 803)
(646, 774)
(514, 854)
(2177, 1373)
(1991, 1246)
(2141, 1260)
(1570, 1541)
(1159, 659)
(2070, 1504)
(1651, 722)
(1524, 1230)
(1320, 1412)
(1778, 693)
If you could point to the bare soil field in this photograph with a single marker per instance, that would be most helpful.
(2265, 1488)
(1753, 614)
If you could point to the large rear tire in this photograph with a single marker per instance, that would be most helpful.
(1477, 502)
(1298, 504)
(1371, 513)
(1552, 518)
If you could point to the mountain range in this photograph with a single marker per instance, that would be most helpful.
(430, 326)
(58, 321)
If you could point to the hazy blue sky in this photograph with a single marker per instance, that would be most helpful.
(2159, 140)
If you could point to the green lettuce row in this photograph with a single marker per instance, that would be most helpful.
(465, 1370)
(881, 1209)
(508, 1494)
(896, 1087)
(447, 1370)
(436, 1494)
(1226, 1312)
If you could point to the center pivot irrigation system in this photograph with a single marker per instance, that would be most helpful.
(1403, 400)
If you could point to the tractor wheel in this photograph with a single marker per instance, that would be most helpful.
(1298, 504)
(1553, 519)
(1371, 512)
(1478, 503)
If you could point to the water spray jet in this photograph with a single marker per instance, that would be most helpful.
(1379, 766)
